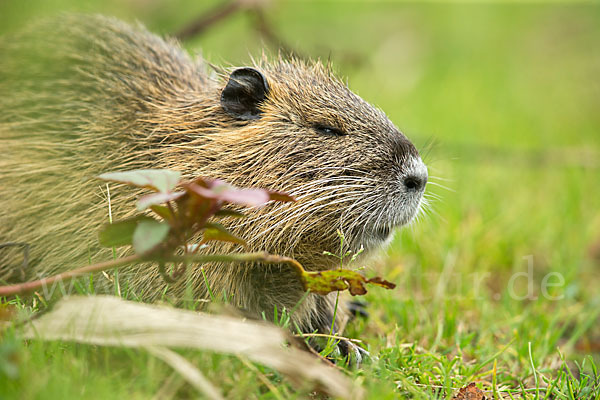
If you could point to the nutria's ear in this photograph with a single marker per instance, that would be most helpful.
(244, 92)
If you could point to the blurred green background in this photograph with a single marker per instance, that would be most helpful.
(503, 99)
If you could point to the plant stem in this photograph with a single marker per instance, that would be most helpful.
(22, 288)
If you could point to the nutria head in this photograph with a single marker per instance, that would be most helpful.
(293, 126)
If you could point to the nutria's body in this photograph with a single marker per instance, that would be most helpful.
(96, 95)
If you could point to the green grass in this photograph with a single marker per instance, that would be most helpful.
(503, 100)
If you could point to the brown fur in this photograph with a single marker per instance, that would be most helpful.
(91, 94)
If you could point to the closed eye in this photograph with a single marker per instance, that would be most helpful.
(329, 130)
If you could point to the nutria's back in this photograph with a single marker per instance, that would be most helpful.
(91, 94)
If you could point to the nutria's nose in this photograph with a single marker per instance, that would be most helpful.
(415, 180)
(415, 183)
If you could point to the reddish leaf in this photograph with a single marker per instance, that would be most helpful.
(224, 192)
(218, 232)
(245, 197)
(159, 180)
(204, 192)
(205, 182)
(157, 198)
(216, 189)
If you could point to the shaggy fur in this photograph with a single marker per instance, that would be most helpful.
(89, 95)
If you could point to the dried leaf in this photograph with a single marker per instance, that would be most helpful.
(187, 371)
(381, 282)
(149, 234)
(469, 392)
(323, 282)
(111, 321)
(159, 180)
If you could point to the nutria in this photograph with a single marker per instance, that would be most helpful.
(89, 95)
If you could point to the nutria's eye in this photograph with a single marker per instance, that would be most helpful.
(329, 130)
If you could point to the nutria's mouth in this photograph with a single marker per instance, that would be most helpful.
(375, 236)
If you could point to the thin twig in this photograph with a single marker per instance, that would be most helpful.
(26, 287)
(263, 257)
(265, 29)
(217, 14)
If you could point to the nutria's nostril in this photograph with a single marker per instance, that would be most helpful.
(414, 182)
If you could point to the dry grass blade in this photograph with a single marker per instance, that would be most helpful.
(106, 320)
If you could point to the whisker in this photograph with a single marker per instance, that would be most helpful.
(309, 207)
(439, 178)
(441, 186)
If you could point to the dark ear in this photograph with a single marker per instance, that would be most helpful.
(244, 92)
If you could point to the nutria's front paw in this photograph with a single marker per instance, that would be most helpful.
(344, 351)
(353, 354)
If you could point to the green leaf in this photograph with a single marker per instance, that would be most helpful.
(120, 233)
(215, 231)
(148, 235)
(162, 211)
(230, 213)
(159, 180)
